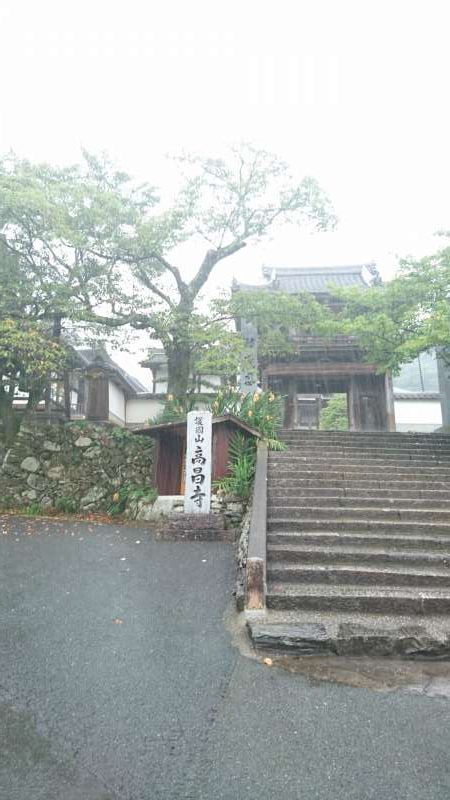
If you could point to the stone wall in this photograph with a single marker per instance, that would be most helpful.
(74, 467)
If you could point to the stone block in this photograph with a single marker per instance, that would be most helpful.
(93, 453)
(52, 447)
(36, 481)
(30, 464)
(406, 641)
(56, 473)
(30, 495)
(94, 495)
(308, 639)
(46, 502)
(83, 441)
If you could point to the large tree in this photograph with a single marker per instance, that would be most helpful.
(100, 248)
(224, 203)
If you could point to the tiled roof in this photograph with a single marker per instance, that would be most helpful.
(318, 280)
(90, 357)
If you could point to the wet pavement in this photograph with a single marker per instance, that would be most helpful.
(126, 675)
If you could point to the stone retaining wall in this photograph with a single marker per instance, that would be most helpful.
(76, 467)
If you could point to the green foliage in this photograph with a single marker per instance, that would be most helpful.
(278, 317)
(34, 510)
(242, 467)
(261, 410)
(127, 493)
(397, 321)
(27, 353)
(334, 416)
(176, 408)
(66, 505)
(122, 434)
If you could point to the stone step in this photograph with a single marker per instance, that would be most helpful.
(342, 633)
(367, 599)
(354, 438)
(361, 471)
(375, 501)
(359, 574)
(404, 494)
(368, 442)
(400, 448)
(394, 542)
(351, 452)
(379, 514)
(355, 483)
(329, 519)
(361, 436)
(286, 462)
(360, 554)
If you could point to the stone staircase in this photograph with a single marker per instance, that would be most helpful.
(358, 525)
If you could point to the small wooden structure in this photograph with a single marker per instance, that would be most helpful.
(170, 450)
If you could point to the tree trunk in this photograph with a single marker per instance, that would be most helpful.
(10, 422)
(179, 362)
(178, 349)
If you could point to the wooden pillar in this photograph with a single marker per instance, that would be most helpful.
(390, 407)
(368, 403)
(290, 406)
(444, 389)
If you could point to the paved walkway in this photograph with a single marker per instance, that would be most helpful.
(120, 681)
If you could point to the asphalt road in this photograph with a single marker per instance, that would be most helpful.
(120, 681)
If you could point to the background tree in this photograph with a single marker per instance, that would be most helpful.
(398, 320)
(71, 230)
(28, 357)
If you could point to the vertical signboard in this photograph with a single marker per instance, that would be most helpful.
(197, 492)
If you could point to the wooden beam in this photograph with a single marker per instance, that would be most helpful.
(339, 369)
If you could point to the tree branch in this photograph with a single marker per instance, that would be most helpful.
(153, 288)
(171, 268)
(210, 260)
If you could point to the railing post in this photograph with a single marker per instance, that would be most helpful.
(255, 582)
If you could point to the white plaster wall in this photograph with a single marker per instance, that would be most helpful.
(141, 409)
(417, 415)
(116, 403)
(213, 381)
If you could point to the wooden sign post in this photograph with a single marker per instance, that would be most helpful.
(197, 492)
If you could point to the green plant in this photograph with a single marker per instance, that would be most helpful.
(121, 434)
(242, 466)
(261, 410)
(334, 416)
(176, 408)
(33, 510)
(66, 505)
(125, 494)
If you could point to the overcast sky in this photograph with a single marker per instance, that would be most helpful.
(354, 93)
